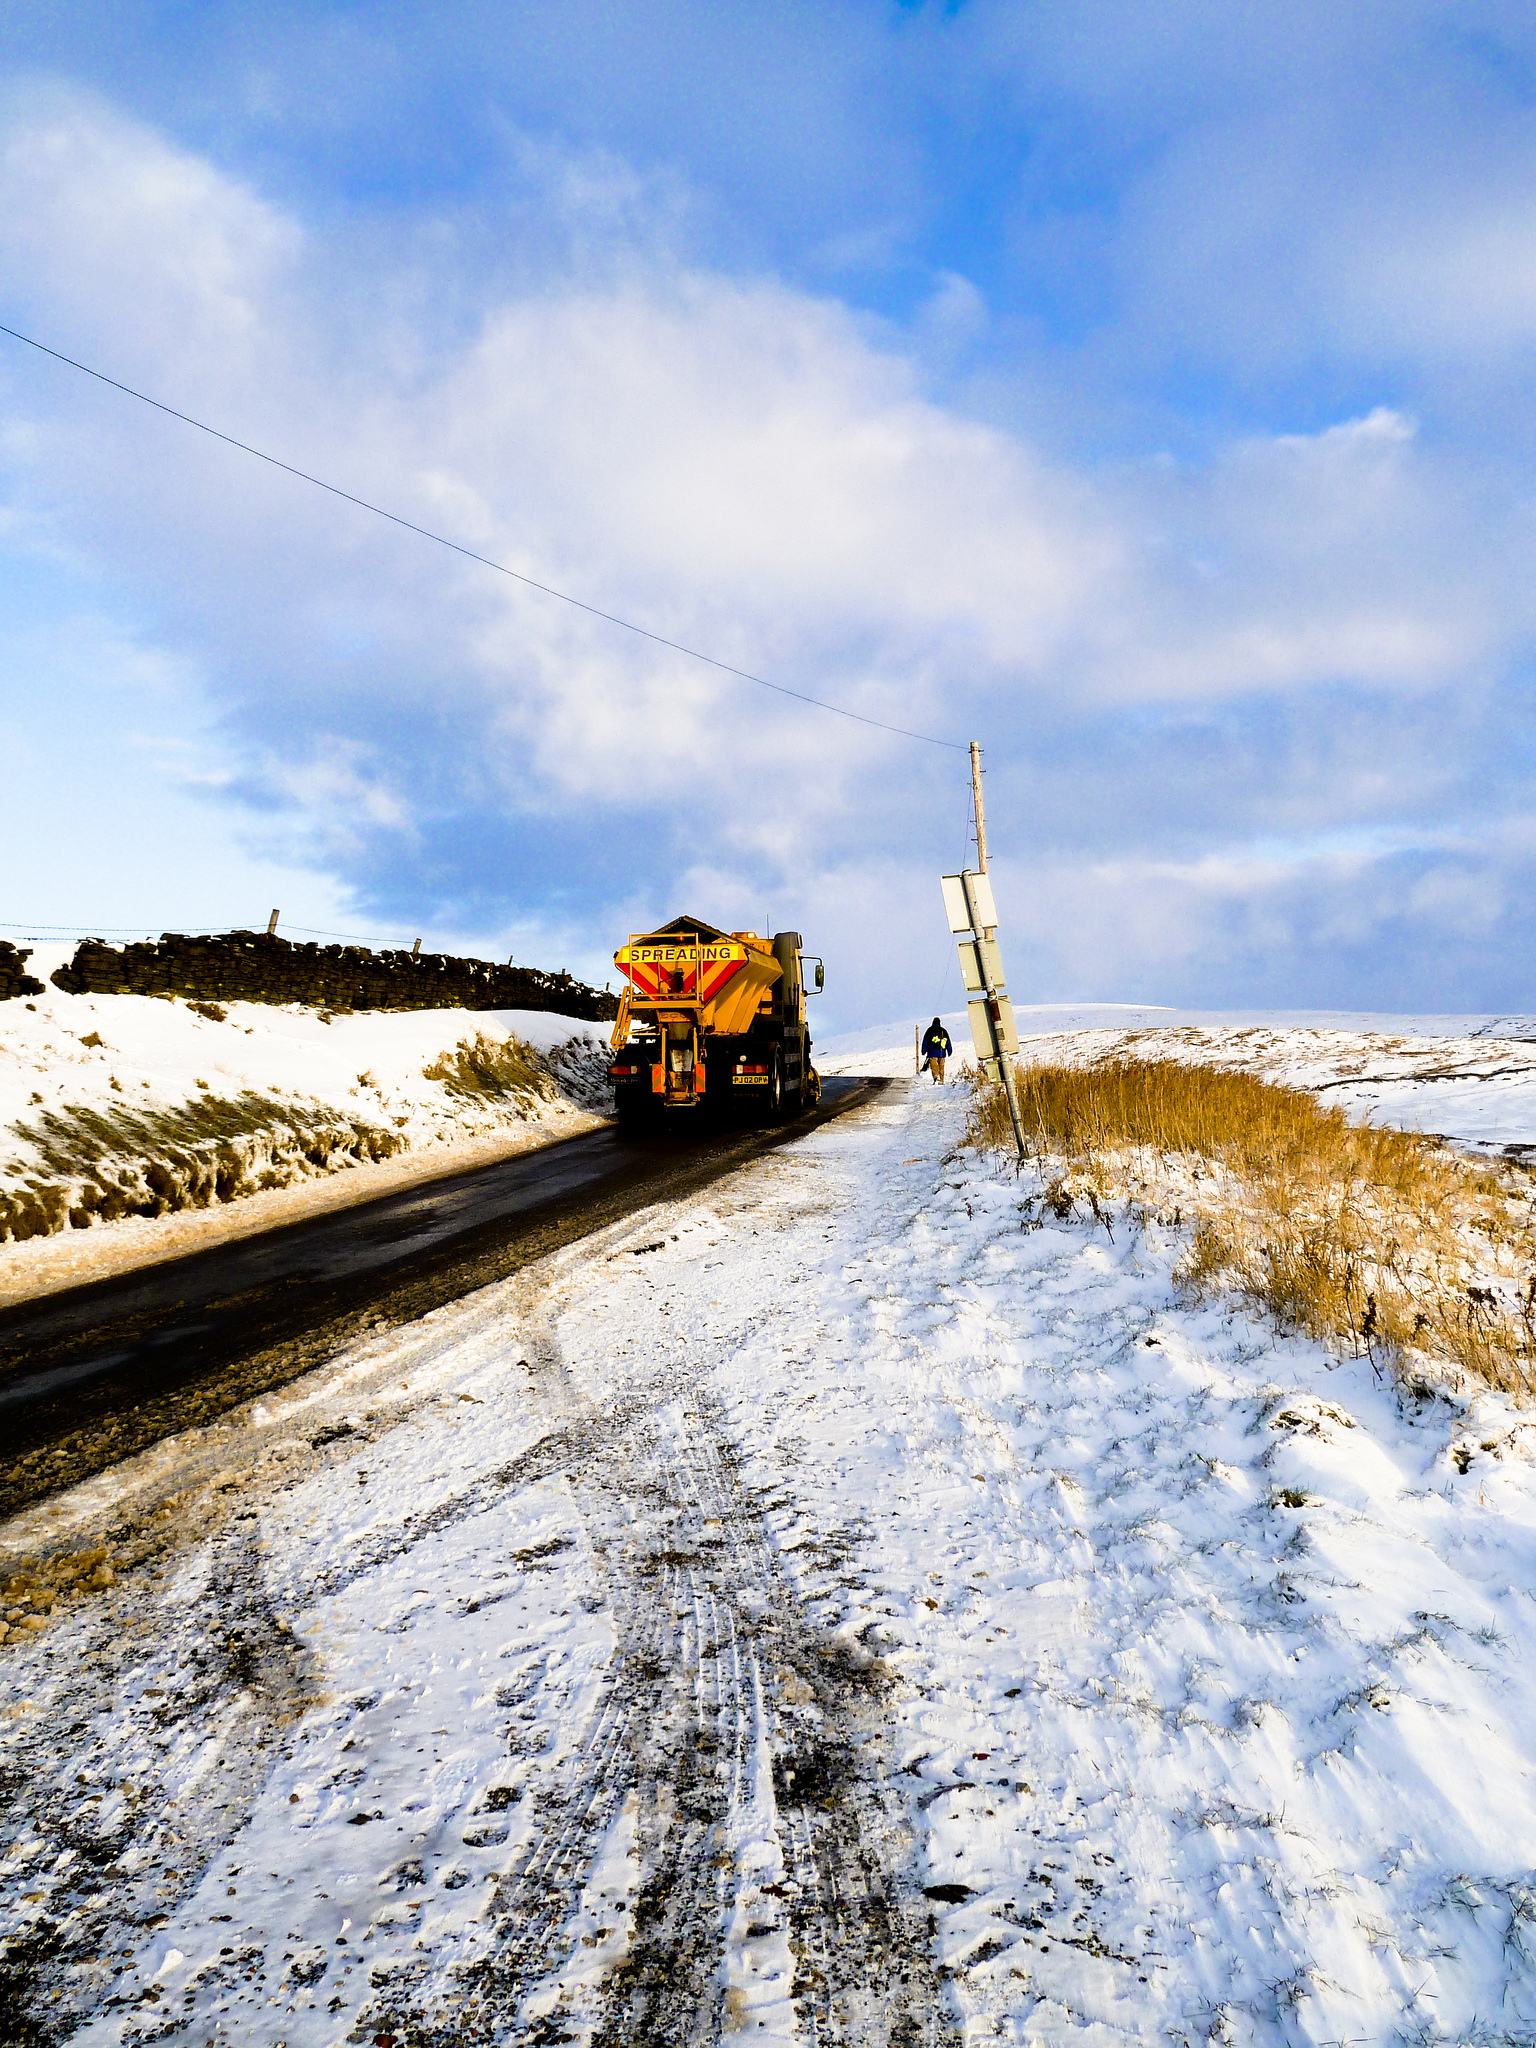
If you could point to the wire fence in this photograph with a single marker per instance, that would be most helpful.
(42, 934)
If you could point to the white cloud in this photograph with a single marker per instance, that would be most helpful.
(736, 464)
(139, 241)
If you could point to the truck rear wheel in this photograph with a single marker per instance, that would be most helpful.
(774, 1107)
(634, 1111)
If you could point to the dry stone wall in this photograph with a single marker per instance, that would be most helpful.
(257, 967)
(13, 980)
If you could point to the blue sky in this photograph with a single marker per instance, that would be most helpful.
(1143, 390)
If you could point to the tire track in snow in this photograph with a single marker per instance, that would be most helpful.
(728, 1743)
(724, 1783)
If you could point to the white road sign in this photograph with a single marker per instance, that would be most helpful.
(959, 910)
(981, 964)
(989, 1013)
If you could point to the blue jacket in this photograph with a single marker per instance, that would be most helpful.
(937, 1043)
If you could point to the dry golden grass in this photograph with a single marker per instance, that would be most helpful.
(482, 1066)
(1377, 1239)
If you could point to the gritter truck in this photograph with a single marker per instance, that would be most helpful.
(712, 1020)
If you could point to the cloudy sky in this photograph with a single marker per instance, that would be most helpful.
(1140, 387)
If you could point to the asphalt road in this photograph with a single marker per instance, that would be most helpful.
(93, 1374)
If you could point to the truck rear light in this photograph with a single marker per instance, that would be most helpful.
(743, 1068)
(622, 1073)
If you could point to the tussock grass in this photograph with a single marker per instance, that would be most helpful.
(490, 1068)
(146, 1162)
(1378, 1240)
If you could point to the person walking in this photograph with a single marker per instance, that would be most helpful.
(937, 1048)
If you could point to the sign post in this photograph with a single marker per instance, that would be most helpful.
(973, 915)
(973, 918)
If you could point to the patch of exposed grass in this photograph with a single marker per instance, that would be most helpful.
(1380, 1240)
(481, 1067)
(78, 1139)
(109, 1163)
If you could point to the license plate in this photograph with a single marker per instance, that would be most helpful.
(750, 1080)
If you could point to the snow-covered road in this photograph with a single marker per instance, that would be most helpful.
(846, 1606)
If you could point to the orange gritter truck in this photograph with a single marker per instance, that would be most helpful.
(712, 1020)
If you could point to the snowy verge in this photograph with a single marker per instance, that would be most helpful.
(1209, 1644)
(132, 1107)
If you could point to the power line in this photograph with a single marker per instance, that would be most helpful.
(43, 932)
(594, 611)
(90, 930)
(311, 931)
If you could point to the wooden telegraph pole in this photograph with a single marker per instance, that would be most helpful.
(989, 961)
(981, 822)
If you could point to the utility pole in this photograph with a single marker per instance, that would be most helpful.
(981, 818)
(988, 961)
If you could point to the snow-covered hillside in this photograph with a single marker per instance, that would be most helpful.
(116, 1107)
(851, 1605)
(1470, 1079)
(1467, 1085)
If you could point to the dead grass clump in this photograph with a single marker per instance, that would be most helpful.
(1378, 1239)
(108, 1164)
(482, 1067)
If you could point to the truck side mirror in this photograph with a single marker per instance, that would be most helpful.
(821, 977)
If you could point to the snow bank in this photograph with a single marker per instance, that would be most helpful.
(114, 1107)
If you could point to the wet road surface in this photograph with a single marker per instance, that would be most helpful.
(95, 1373)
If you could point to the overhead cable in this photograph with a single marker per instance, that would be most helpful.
(41, 932)
(410, 525)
